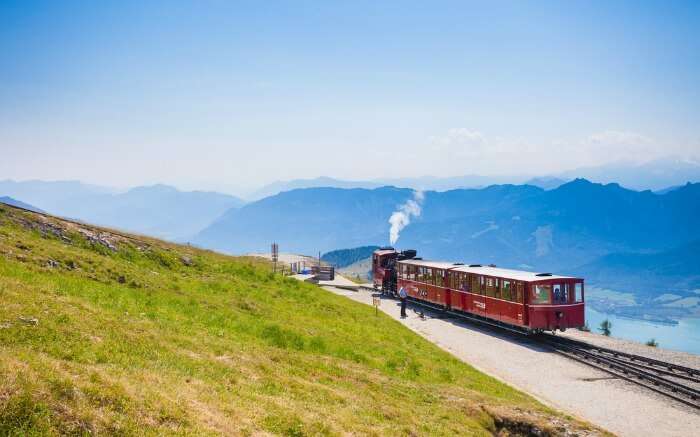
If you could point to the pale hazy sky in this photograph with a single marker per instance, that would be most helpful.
(229, 95)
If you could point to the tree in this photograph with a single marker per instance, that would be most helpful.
(652, 342)
(605, 327)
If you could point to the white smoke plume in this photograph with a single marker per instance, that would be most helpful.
(402, 217)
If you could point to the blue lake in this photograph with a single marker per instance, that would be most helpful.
(685, 336)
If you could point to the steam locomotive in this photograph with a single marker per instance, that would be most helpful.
(526, 301)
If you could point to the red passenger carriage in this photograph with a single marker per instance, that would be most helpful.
(529, 301)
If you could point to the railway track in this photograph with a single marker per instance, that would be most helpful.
(674, 381)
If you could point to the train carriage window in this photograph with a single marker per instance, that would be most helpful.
(506, 291)
(519, 290)
(464, 282)
(558, 294)
(541, 293)
(578, 292)
(490, 287)
(566, 293)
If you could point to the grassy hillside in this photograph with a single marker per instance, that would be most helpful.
(108, 333)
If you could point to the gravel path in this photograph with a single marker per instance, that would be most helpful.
(618, 406)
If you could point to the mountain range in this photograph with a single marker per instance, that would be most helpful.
(158, 210)
(655, 175)
(512, 224)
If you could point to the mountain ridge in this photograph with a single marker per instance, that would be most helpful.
(159, 210)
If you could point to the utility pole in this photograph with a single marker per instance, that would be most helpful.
(275, 256)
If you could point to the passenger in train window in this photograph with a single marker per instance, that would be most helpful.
(558, 294)
(520, 288)
(505, 290)
(437, 280)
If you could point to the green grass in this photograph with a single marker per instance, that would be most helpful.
(157, 338)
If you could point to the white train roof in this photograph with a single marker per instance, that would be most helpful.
(432, 264)
(518, 275)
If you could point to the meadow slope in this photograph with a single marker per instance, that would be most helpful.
(103, 332)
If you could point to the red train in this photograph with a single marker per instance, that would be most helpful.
(531, 302)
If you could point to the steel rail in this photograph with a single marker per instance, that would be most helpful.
(656, 369)
(670, 367)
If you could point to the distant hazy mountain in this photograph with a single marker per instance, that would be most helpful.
(345, 257)
(546, 182)
(158, 210)
(654, 175)
(323, 181)
(432, 183)
(671, 271)
(56, 197)
(510, 225)
(306, 221)
(14, 202)
(418, 183)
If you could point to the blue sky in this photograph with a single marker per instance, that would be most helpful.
(229, 95)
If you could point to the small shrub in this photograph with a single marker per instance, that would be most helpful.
(606, 327)
(652, 343)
